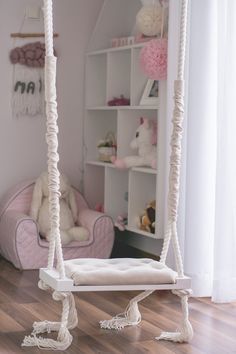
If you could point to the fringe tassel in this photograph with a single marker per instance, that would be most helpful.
(61, 343)
(131, 317)
(69, 320)
(185, 333)
(28, 100)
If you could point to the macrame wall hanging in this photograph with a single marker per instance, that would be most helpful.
(28, 79)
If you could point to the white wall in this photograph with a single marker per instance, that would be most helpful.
(22, 142)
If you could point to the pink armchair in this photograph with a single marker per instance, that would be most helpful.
(21, 244)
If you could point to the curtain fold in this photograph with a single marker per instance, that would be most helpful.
(224, 275)
(209, 245)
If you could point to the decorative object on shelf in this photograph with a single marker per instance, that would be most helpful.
(121, 222)
(147, 221)
(149, 19)
(119, 101)
(107, 147)
(151, 93)
(145, 142)
(28, 79)
(153, 59)
(39, 211)
(99, 207)
(122, 41)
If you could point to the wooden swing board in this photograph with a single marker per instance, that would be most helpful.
(52, 279)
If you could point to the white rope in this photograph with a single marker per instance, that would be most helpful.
(175, 158)
(69, 320)
(52, 141)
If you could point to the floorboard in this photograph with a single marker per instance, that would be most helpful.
(22, 303)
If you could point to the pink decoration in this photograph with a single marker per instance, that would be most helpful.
(153, 59)
(31, 54)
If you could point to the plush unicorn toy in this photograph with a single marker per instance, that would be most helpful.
(145, 142)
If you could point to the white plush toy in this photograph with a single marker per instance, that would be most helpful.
(68, 210)
(145, 142)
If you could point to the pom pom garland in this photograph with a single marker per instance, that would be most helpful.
(149, 20)
(153, 59)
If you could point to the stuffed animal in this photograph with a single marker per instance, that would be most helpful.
(145, 142)
(147, 220)
(68, 210)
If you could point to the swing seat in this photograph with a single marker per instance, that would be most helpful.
(117, 274)
(117, 271)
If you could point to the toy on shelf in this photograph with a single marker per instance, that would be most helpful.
(99, 207)
(122, 41)
(107, 147)
(121, 222)
(147, 220)
(145, 142)
(119, 101)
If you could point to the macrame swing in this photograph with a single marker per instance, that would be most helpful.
(109, 275)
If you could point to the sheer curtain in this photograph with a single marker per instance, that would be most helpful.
(209, 193)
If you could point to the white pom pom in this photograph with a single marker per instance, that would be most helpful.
(149, 20)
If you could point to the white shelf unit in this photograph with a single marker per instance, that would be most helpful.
(110, 73)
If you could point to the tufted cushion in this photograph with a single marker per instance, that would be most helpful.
(118, 271)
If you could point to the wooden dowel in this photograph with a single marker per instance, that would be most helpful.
(30, 35)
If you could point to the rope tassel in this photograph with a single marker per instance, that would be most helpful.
(131, 316)
(69, 320)
(185, 333)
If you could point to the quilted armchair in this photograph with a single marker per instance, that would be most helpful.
(21, 244)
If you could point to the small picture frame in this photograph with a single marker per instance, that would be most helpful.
(151, 93)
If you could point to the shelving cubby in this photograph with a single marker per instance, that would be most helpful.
(96, 77)
(128, 122)
(116, 190)
(118, 73)
(98, 124)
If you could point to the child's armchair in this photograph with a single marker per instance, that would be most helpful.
(21, 244)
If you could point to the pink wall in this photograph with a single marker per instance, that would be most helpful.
(22, 142)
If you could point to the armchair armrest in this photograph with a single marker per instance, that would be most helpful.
(16, 230)
(101, 230)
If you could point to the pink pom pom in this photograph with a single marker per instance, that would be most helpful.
(153, 59)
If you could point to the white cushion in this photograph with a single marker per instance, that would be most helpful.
(118, 271)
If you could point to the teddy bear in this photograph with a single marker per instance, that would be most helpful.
(39, 210)
(145, 143)
(147, 220)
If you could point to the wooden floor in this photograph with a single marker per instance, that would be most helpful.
(22, 303)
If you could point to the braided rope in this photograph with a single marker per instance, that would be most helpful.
(183, 38)
(52, 141)
(175, 157)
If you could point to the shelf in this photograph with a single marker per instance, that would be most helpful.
(110, 165)
(145, 170)
(117, 108)
(140, 232)
(116, 49)
(100, 164)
